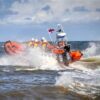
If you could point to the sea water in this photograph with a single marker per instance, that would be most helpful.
(36, 75)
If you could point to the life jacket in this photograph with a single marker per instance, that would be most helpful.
(75, 55)
(36, 44)
(44, 44)
(12, 47)
(31, 44)
(58, 51)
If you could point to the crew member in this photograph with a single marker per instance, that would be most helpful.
(64, 56)
(36, 43)
(31, 43)
(44, 42)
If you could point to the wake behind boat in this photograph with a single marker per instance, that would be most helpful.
(90, 62)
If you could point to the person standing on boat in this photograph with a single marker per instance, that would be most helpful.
(64, 56)
(62, 44)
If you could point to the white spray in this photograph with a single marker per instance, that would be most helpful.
(35, 58)
(81, 79)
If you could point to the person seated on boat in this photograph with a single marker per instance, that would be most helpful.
(44, 42)
(64, 46)
(36, 43)
(31, 43)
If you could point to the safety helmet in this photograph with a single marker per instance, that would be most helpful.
(43, 39)
(32, 39)
(36, 40)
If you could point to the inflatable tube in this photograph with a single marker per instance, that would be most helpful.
(50, 47)
(58, 51)
(12, 47)
(75, 55)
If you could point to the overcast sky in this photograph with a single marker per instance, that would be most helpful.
(21, 20)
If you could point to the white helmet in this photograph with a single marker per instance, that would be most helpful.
(43, 39)
(32, 39)
(36, 40)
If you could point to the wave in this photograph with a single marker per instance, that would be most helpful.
(37, 58)
(77, 77)
(84, 78)
(34, 57)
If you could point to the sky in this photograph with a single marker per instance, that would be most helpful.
(21, 20)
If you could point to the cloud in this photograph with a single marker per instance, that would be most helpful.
(46, 8)
(40, 11)
(80, 9)
(98, 9)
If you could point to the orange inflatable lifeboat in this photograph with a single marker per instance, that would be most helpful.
(12, 47)
(75, 55)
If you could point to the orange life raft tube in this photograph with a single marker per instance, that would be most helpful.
(50, 47)
(58, 51)
(75, 55)
(12, 47)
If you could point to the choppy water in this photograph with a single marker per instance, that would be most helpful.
(39, 77)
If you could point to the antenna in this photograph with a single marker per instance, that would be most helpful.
(61, 35)
(59, 28)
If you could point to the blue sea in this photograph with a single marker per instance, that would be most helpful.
(36, 75)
